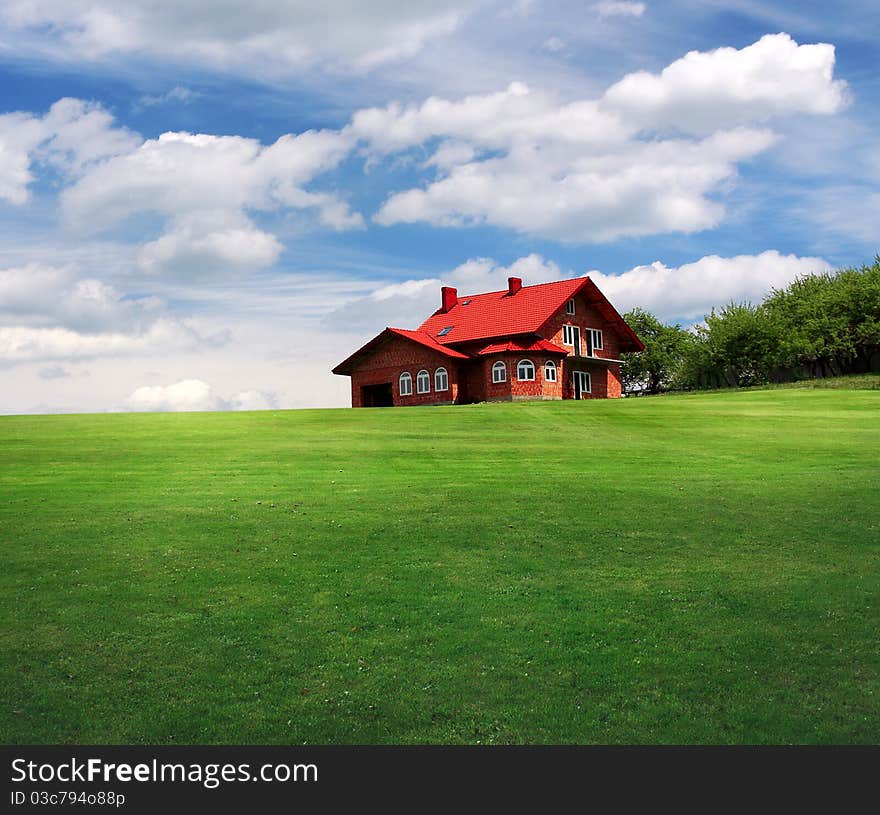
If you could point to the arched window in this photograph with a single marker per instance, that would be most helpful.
(550, 371)
(525, 370)
(441, 380)
(405, 384)
(423, 382)
(499, 373)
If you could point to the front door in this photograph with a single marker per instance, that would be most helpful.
(580, 384)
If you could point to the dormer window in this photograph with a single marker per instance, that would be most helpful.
(569, 306)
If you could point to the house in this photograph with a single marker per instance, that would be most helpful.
(559, 340)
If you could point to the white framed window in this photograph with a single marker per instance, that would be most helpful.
(594, 341)
(569, 306)
(423, 382)
(525, 370)
(550, 371)
(441, 380)
(571, 335)
(499, 373)
(405, 384)
(581, 384)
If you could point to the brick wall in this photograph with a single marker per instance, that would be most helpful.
(604, 379)
(387, 363)
(481, 387)
(585, 316)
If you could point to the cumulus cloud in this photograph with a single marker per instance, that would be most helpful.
(207, 243)
(188, 394)
(691, 290)
(600, 169)
(70, 137)
(591, 170)
(204, 185)
(639, 188)
(194, 394)
(275, 38)
(705, 91)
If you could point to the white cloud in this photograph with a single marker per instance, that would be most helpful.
(609, 8)
(204, 185)
(262, 38)
(689, 291)
(209, 244)
(495, 121)
(189, 394)
(195, 394)
(48, 313)
(25, 344)
(586, 171)
(19, 136)
(38, 295)
(705, 91)
(71, 136)
(641, 188)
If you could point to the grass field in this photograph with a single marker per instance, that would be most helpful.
(689, 569)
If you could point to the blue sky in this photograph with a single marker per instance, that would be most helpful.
(206, 205)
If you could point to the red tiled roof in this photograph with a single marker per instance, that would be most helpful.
(522, 345)
(428, 341)
(501, 314)
(414, 336)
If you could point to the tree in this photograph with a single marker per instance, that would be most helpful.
(738, 345)
(656, 368)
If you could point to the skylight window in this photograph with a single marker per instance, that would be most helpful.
(466, 302)
(445, 331)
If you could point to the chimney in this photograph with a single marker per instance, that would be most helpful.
(514, 284)
(448, 298)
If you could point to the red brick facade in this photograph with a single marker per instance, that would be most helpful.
(394, 358)
(376, 369)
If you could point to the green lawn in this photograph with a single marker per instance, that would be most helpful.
(689, 569)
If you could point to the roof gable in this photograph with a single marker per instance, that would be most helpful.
(420, 338)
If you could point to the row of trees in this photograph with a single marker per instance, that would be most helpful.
(819, 325)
